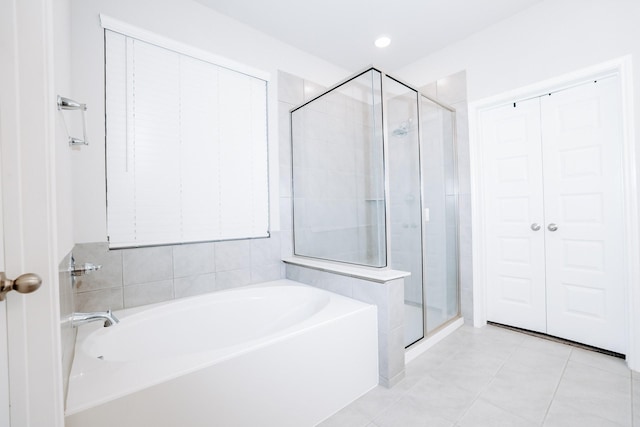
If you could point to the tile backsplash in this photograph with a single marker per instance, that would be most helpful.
(67, 332)
(139, 276)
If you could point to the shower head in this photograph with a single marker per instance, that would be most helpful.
(402, 130)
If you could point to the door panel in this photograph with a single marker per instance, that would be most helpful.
(4, 362)
(514, 200)
(581, 134)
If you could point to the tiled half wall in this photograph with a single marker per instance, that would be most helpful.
(140, 276)
(389, 299)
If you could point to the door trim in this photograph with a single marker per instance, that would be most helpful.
(622, 67)
(27, 139)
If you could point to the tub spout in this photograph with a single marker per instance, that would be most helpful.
(107, 316)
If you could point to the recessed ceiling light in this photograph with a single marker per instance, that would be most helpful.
(382, 41)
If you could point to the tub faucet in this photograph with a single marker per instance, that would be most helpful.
(109, 318)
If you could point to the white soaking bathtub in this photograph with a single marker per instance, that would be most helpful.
(274, 354)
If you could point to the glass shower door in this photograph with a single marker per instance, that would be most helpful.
(440, 202)
(401, 114)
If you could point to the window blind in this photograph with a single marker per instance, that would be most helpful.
(186, 148)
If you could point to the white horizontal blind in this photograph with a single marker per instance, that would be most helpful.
(186, 148)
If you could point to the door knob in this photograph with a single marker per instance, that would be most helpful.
(552, 227)
(535, 226)
(24, 284)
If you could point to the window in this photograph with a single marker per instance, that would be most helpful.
(186, 147)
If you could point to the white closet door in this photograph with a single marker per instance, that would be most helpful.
(581, 134)
(514, 204)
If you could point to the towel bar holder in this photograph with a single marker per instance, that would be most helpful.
(70, 104)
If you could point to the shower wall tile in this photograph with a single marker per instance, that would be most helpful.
(144, 265)
(284, 128)
(311, 90)
(430, 90)
(286, 219)
(466, 258)
(182, 270)
(266, 273)
(285, 181)
(286, 243)
(336, 283)
(391, 355)
(284, 148)
(389, 299)
(194, 285)
(109, 275)
(462, 141)
(100, 300)
(232, 279)
(67, 332)
(265, 252)
(193, 259)
(303, 275)
(395, 298)
(232, 255)
(453, 88)
(290, 88)
(148, 293)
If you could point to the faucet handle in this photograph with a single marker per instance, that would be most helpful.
(81, 270)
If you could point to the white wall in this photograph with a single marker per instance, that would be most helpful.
(553, 37)
(187, 22)
(62, 86)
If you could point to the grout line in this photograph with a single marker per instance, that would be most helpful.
(553, 397)
(483, 389)
(633, 418)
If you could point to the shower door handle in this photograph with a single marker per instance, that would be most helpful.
(535, 226)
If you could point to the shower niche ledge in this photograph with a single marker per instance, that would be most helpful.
(379, 275)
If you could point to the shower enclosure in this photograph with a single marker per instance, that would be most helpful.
(374, 184)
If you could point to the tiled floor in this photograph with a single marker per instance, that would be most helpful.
(499, 378)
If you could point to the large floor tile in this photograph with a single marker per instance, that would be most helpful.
(596, 392)
(522, 390)
(563, 415)
(348, 416)
(468, 369)
(411, 412)
(601, 361)
(447, 400)
(484, 414)
(496, 377)
(635, 396)
(547, 347)
(498, 342)
(377, 400)
(539, 361)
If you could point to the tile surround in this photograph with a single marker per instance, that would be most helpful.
(387, 296)
(67, 332)
(140, 276)
(146, 265)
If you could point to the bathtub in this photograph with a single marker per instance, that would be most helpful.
(274, 354)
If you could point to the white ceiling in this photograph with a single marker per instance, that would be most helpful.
(342, 31)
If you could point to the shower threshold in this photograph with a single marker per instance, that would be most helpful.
(426, 343)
